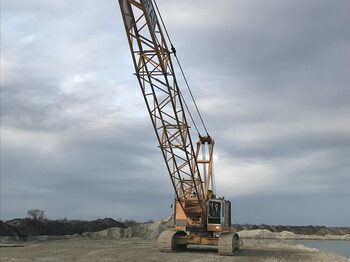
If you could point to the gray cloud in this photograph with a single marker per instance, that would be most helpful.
(271, 80)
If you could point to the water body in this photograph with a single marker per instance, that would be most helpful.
(340, 247)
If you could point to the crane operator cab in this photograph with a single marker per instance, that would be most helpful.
(219, 215)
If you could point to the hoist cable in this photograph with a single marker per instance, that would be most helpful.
(182, 72)
(194, 101)
(189, 112)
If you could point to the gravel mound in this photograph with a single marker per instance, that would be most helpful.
(7, 230)
(299, 230)
(28, 229)
(24, 228)
(146, 231)
(266, 234)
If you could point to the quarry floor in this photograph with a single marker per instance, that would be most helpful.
(136, 249)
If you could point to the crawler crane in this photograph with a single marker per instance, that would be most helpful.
(201, 218)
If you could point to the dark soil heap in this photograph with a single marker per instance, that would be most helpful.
(23, 228)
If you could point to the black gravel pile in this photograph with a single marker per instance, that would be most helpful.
(31, 227)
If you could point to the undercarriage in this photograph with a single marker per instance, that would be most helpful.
(228, 243)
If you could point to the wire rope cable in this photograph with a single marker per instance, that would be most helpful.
(189, 112)
(183, 75)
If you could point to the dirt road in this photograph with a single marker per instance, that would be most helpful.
(135, 249)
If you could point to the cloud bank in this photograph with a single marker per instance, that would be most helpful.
(271, 79)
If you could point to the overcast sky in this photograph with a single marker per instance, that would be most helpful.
(271, 79)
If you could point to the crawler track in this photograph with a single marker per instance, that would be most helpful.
(228, 244)
(166, 241)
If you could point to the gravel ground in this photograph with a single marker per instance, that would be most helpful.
(136, 249)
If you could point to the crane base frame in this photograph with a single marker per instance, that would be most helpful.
(228, 243)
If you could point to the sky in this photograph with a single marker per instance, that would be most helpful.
(271, 79)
